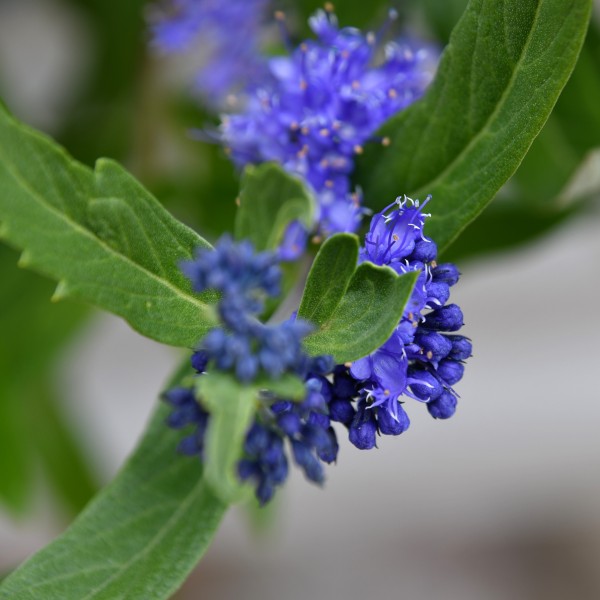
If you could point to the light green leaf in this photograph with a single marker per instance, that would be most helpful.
(138, 539)
(270, 199)
(232, 406)
(100, 234)
(329, 277)
(288, 386)
(366, 316)
(498, 81)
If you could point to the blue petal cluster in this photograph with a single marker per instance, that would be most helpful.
(248, 347)
(423, 358)
(321, 105)
(228, 39)
(244, 344)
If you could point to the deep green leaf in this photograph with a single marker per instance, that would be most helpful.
(100, 234)
(33, 331)
(498, 81)
(138, 539)
(288, 386)
(329, 278)
(366, 316)
(231, 405)
(15, 452)
(270, 198)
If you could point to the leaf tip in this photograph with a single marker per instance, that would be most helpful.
(61, 291)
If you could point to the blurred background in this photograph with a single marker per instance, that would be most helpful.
(501, 501)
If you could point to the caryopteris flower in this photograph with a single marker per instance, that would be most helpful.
(248, 348)
(226, 35)
(321, 104)
(422, 359)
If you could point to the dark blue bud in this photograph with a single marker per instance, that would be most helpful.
(424, 251)
(289, 423)
(444, 407)
(246, 368)
(447, 318)
(342, 411)
(257, 440)
(450, 371)
(328, 452)
(304, 457)
(248, 468)
(424, 385)
(434, 345)
(265, 491)
(390, 426)
(437, 293)
(461, 347)
(344, 386)
(321, 365)
(446, 272)
(363, 429)
(191, 445)
(199, 361)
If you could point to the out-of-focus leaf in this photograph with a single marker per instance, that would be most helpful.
(101, 235)
(32, 330)
(103, 121)
(270, 199)
(138, 539)
(497, 83)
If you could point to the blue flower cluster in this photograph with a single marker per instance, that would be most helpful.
(321, 105)
(423, 358)
(248, 347)
(228, 35)
(244, 344)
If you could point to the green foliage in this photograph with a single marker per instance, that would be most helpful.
(31, 426)
(138, 539)
(100, 234)
(365, 316)
(498, 80)
(329, 277)
(270, 198)
(232, 406)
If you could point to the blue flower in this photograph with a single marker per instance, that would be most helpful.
(420, 360)
(246, 347)
(321, 104)
(229, 62)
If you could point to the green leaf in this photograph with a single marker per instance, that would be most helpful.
(15, 451)
(366, 315)
(101, 235)
(138, 539)
(329, 277)
(498, 81)
(25, 391)
(270, 199)
(232, 406)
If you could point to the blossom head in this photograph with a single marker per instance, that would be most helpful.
(227, 63)
(321, 104)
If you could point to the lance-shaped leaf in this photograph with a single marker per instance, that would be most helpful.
(366, 314)
(270, 199)
(498, 80)
(138, 539)
(100, 234)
